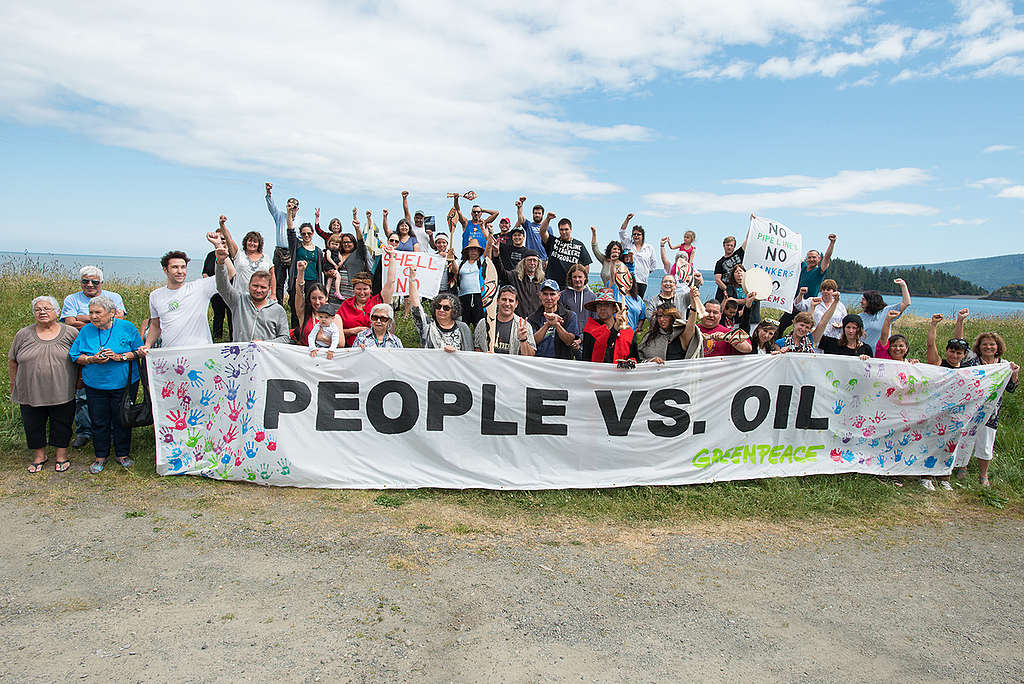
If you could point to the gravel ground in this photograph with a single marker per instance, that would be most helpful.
(201, 593)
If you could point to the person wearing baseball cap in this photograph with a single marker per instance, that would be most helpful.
(511, 253)
(504, 234)
(416, 223)
(608, 338)
(557, 328)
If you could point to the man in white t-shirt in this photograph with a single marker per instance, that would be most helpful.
(178, 311)
(416, 224)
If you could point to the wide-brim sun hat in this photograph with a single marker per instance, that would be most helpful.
(604, 296)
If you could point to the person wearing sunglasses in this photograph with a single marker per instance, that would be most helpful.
(379, 335)
(75, 312)
(442, 329)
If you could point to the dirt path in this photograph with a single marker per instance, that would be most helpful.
(200, 593)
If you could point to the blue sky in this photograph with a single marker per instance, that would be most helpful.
(128, 130)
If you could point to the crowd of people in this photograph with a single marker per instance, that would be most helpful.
(518, 289)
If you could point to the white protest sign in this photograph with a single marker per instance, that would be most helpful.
(430, 268)
(269, 414)
(778, 251)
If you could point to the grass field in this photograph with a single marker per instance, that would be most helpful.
(845, 498)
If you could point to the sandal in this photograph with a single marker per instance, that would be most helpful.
(97, 466)
(983, 481)
(36, 467)
(125, 461)
(62, 466)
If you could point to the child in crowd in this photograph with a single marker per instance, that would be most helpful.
(332, 258)
(730, 312)
(324, 334)
(687, 245)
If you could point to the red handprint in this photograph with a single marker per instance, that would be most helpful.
(271, 444)
(230, 434)
(916, 436)
(940, 429)
(836, 454)
(238, 459)
(858, 422)
(178, 418)
(260, 435)
(217, 381)
(869, 430)
(233, 410)
(879, 417)
(167, 390)
(182, 390)
(951, 446)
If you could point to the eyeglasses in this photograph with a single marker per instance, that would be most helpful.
(380, 319)
(91, 281)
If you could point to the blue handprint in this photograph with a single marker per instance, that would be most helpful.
(881, 461)
(890, 434)
(905, 441)
(848, 456)
(193, 437)
(195, 417)
(231, 351)
(889, 446)
(924, 449)
(176, 452)
(226, 458)
(232, 388)
(250, 399)
(930, 462)
(250, 449)
(206, 398)
(875, 442)
(910, 459)
(897, 455)
(948, 462)
(246, 423)
(195, 378)
(838, 408)
(233, 370)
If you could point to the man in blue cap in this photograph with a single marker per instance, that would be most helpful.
(556, 327)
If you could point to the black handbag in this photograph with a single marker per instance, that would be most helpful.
(134, 413)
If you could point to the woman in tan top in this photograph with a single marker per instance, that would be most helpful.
(43, 381)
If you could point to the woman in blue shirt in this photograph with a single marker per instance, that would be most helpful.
(107, 348)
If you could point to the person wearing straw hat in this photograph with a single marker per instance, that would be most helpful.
(514, 335)
(471, 282)
(608, 338)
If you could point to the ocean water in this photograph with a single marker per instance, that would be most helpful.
(147, 269)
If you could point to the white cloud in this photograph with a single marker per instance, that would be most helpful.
(989, 182)
(1006, 66)
(998, 148)
(1012, 192)
(364, 97)
(979, 15)
(804, 192)
(962, 222)
(868, 80)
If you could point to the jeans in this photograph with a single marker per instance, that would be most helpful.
(105, 412)
(282, 262)
(83, 426)
(220, 312)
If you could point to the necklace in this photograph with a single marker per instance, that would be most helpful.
(110, 331)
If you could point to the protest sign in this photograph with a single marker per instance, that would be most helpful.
(270, 414)
(777, 250)
(430, 268)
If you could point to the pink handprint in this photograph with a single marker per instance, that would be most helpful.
(858, 422)
(869, 430)
(217, 381)
(178, 418)
(233, 410)
(260, 435)
(166, 435)
(836, 454)
(167, 390)
(230, 434)
(179, 365)
(916, 436)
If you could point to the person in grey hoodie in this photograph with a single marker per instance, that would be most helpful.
(256, 318)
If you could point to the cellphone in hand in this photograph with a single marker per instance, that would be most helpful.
(429, 224)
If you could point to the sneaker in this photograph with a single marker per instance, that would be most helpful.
(80, 441)
(945, 486)
(927, 484)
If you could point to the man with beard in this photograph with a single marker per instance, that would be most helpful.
(725, 264)
(812, 275)
(512, 252)
(535, 229)
(256, 317)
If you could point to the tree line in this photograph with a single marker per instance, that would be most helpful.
(852, 276)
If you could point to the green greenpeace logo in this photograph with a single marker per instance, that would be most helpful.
(757, 454)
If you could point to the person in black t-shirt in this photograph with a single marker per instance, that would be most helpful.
(220, 308)
(849, 342)
(513, 251)
(724, 266)
(563, 251)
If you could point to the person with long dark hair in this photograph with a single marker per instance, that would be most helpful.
(874, 311)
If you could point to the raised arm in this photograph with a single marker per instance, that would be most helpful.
(664, 256)
(593, 244)
(933, 331)
(905, 304)
(826, 260)
(228, 292)
(458, 210)
(819, 330)
(543, 228)
(961, 318)
(624, 237)
(491, 215)
(890, 316)
(387, 231)
(520, 219)
(228, 240)
(691, 320)
(271, 207)
(388, 289)
(405, 206)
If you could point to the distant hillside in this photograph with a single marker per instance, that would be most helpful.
(853, 277)
(990, 273)
(1009, 293)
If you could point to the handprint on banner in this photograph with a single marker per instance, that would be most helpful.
(178, 419)
(232, 388)
(250, 449)
(250, 474)
(166, 435)
(160, 367)
(250, 399)
(230, 351)
(836, 455)
(193, 436)
(264, 471)
(233, 410)
(179, 365)
(206, 398)
(167, 390)
(195, 378)
(930, 462)
(838, 408)
(259, 435)
(284, 466)
(246, 423)
(195, 417)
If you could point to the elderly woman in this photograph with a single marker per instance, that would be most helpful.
(106, 349)
(443, 329)
(379, 335)
(43, 382)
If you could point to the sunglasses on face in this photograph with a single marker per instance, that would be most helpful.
(380, 319)
(444, 307)
(90, 281)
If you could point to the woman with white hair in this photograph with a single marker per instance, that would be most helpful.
(43, 382)
(442, 329)
(106, 349)
(379, 335)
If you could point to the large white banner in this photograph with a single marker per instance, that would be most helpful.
(777, 250)
(429, 270)
(270, 414)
